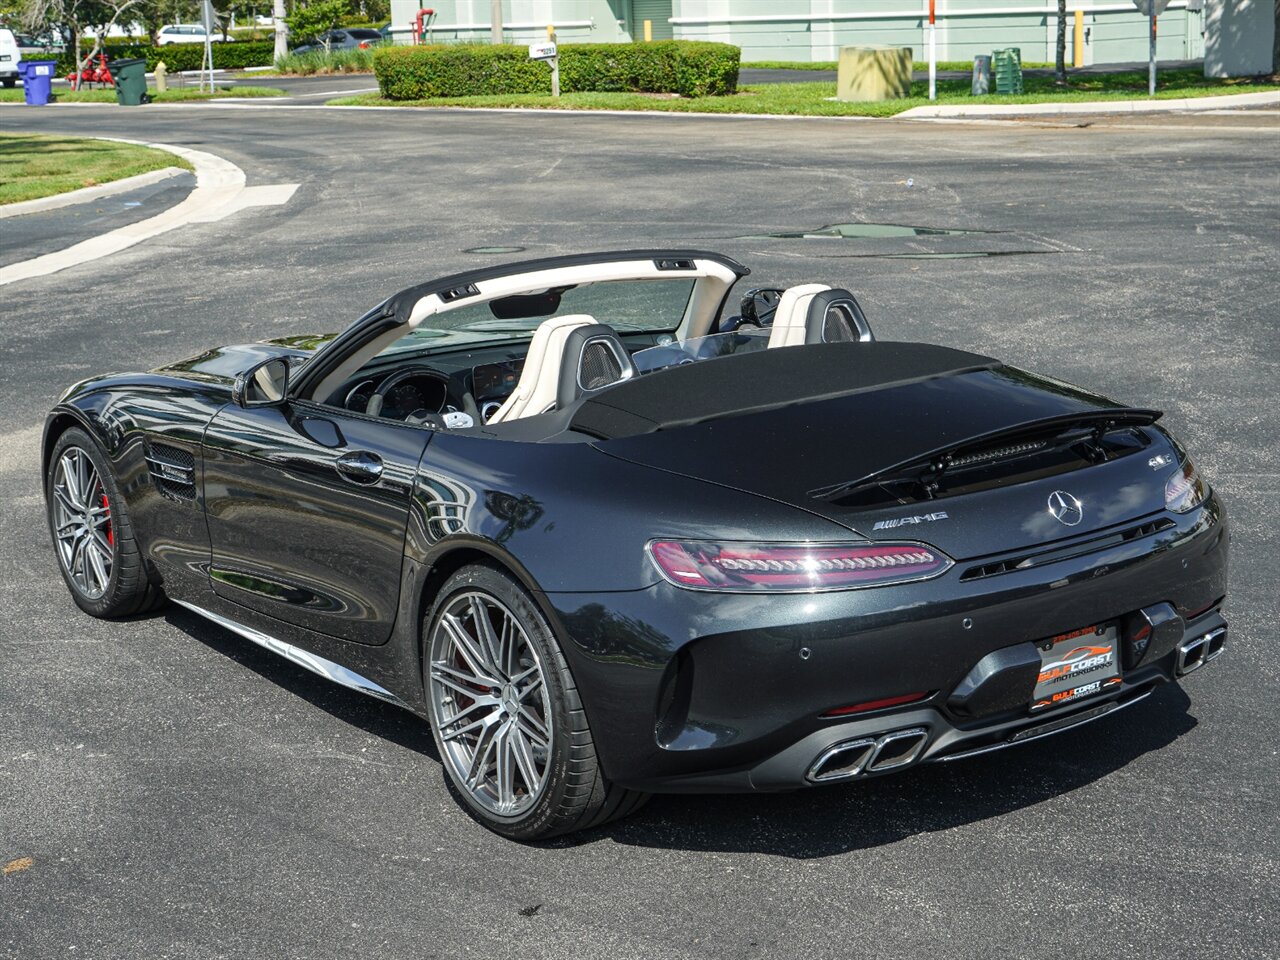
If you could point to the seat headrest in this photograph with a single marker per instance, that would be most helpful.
(834, 316)
(594, 358)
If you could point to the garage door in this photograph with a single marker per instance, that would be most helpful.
(659, 11)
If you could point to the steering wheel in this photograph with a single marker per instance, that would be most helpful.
(759, 305)
(376, 399)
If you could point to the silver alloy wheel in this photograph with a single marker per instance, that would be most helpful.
(82, 523)
(491, 705)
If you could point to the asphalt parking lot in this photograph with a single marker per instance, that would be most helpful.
(181, 793)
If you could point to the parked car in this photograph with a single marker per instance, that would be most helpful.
(10, 54)
(608, 540)
(185, 33)
(39, 48)
(348, 38)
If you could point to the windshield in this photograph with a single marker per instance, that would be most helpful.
(628, 306)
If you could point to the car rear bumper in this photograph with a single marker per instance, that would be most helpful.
(691, 692)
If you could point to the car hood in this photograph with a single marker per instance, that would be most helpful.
(223, 364)
(800, 454)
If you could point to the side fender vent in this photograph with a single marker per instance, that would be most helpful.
(173, 471)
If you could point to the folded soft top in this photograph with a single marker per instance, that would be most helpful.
(765, 380)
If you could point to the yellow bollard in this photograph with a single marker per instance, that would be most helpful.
(648, 31)
(161, 70)
(551, 33)
(1077, 46)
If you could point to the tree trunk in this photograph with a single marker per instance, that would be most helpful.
(282, 31)
(1060, 63)
(1275, 47)
(75, 84)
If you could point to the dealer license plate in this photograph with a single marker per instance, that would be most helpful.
(1077, 665)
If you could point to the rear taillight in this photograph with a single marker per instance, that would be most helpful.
(1186, 489)
(751, 567)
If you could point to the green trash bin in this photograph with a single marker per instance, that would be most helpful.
(1007, 67)
(130, 76)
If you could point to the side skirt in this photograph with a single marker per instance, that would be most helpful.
(303, 658)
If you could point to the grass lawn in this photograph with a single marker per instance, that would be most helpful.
(108, 95)
(810, 99)
(34, 166)
(966, 65)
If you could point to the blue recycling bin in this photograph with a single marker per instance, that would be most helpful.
(37, 75)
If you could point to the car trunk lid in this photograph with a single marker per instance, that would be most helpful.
(968, 463)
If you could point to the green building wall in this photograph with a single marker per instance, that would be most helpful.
(815, 30)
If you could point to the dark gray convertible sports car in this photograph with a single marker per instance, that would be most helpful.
(609, 539)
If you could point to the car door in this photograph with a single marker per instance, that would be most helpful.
(307, 507)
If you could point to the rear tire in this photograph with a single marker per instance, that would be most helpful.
(506, 716)
(93, 539)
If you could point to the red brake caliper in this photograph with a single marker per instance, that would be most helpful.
(105, 506)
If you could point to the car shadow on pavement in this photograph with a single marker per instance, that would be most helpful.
(804, 824)
(375, 717)
(827, 821)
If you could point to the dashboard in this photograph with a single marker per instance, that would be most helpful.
(417, 384)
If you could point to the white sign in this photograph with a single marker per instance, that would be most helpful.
(542, 51)
(1151, 8)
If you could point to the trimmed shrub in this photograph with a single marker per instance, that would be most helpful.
(689, 68)
(180, 56)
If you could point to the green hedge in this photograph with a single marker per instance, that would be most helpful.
(686, 67)
(180, 56)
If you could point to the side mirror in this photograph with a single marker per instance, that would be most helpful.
(264, 385)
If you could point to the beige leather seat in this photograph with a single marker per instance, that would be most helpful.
(539, 383)
(789, 319)
(815, 313)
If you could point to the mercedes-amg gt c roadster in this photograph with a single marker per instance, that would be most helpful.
(610, 538)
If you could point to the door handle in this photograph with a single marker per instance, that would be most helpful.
(360, 467)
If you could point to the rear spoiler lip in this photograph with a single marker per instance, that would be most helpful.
(1118, 416)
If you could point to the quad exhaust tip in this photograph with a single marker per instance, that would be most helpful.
(855, 758)
(1194, 654)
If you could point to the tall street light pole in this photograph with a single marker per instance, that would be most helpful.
(495, 19)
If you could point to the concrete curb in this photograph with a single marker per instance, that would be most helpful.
(1090, 106)
(88, 194)
(220, 191)
(957, 112)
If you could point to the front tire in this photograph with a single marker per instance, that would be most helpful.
(506, 716)
(97, 554)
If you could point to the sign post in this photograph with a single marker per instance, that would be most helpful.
(1151, 9)
(933, 52)
(547, 51)
(206, 61)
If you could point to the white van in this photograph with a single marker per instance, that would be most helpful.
(9, 57)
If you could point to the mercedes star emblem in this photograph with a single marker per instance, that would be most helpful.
(1065, 508)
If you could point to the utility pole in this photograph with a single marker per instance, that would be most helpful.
(282, 32)
(495, 19)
